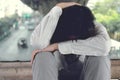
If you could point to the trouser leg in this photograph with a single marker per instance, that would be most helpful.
(96, 68)
(45, 67)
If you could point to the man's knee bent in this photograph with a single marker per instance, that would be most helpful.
(46, 57)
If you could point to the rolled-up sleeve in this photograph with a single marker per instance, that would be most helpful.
(41, 35)
(98, 45)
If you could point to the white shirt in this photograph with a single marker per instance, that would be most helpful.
(98, 45)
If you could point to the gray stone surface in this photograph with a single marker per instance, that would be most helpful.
(15, 71)
(23, 70)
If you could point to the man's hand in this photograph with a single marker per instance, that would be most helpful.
(51, 47)
(34, 53)
(66, 4)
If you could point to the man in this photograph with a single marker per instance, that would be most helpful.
(48, 61)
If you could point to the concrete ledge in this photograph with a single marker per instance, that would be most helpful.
(15, 65)
(23, 71)
(115, 69)
(15, 71)
(16, 78)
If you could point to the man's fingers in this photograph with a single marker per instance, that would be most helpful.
(67, 4)
(34, 53)
(31, 61)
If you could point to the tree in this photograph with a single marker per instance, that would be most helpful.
(5, 24)
(107, 12)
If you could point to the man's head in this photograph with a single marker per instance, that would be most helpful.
(78, 19)
(76, 22)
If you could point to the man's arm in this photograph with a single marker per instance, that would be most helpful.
(98, 45)
(42, 33)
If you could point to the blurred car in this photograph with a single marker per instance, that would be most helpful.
(31, 27)
(22, 43)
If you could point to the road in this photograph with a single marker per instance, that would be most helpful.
(9, 51)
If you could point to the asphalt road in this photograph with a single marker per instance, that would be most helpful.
(9, 50)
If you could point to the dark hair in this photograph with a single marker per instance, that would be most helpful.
(76, 22)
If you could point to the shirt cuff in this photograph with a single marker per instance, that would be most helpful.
(65, 47)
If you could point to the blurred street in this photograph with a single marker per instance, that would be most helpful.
(9, 49)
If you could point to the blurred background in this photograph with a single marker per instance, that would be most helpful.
(17, 21)
(18, 18)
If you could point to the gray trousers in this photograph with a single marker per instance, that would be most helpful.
(46, 66)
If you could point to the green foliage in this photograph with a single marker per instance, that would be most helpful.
(6, 23)
(107, 13)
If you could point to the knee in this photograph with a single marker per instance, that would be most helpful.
(44, 57)
(44, 63)
(43, 54)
